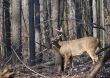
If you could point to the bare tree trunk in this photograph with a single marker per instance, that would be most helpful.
(60, 17)
(107, 19)
(49, 20)
(31, 33)
(16, 29)
(65, 21)
(78, 17)
(60, 13)
(42, 26)
(37, 30)
(47, 23)
(102, 21)
(49, 27)
(98, 17)
(37, 25)
(71, 19)
(6, 28)
(87, 17)
(94, 17)
(25, 30)
(1, 28)
(54, 16)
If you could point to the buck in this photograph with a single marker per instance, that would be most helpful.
(71, 48)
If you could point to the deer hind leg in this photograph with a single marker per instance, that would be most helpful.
(93, 56)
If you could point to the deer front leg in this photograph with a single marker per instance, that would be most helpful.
(66, 60)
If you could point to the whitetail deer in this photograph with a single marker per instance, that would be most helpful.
(72, 48)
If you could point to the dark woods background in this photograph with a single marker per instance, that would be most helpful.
(27, 27)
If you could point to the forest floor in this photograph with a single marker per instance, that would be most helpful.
(79, 70)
